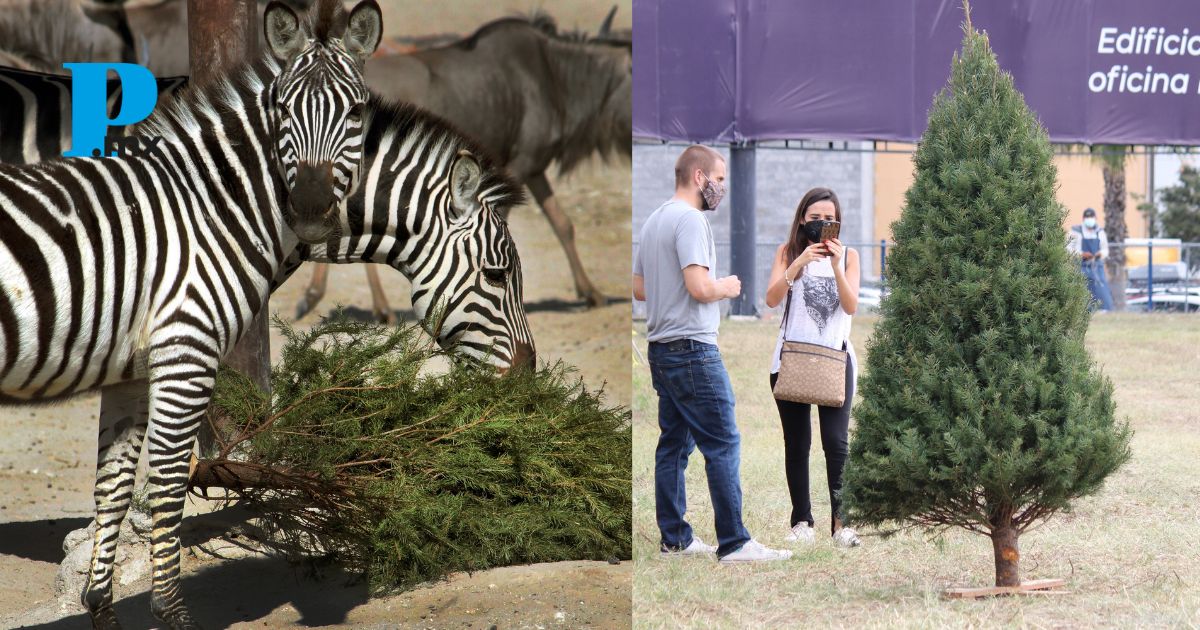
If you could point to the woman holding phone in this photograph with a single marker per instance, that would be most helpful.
(821, 278)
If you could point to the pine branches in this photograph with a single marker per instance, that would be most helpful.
(380, 449)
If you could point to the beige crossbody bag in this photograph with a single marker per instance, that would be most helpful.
(810, 373)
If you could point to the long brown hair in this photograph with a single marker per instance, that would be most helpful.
(797, 241)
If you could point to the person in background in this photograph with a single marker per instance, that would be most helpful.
(675, 273)
(1090, 243)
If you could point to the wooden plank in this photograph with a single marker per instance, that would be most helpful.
(1030, 587)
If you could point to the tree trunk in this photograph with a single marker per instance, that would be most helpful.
(1008, 557)
(1114, 226)
(231, 475)
(221, 33)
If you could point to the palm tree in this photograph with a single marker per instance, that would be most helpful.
(1112, 160)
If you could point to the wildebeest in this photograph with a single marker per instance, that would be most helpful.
(530, 96)
(39, 35)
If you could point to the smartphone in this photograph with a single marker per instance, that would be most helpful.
(830, 230)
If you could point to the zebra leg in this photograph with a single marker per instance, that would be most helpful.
(181, 384)
(123, 415)
(565, 231)
(315, 290)
(379, 303)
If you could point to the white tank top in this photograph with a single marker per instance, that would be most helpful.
(816, 314)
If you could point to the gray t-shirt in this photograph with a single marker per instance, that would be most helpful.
(674, 237)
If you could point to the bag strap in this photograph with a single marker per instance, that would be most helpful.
(787, 307)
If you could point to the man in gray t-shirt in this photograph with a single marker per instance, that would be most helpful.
(675, 273)
(677, 236)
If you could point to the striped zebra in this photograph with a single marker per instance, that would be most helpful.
(35, 113)
(135, 276)
(431, 205)
(35, 125)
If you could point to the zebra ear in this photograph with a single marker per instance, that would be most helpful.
(282, 30)
(465, 176)
(365, 29)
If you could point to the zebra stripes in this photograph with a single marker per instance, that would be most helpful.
(35, 124)
(431, 205)
(135, 276)
(35, 113)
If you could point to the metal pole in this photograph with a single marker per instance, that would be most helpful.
(882, 259)
(741, 226)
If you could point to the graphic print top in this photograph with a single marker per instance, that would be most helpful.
(816, 314)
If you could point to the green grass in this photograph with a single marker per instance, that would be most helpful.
(1130, 554)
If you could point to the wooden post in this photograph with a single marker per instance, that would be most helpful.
(222, 33)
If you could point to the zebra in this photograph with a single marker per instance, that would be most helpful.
(35, 124)
(432, 205)
(35, 113)
(135, 276)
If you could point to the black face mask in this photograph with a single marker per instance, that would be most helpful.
(812, 230)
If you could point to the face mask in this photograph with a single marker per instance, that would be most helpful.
(1089, 222)
(711, 194)
(812, 230)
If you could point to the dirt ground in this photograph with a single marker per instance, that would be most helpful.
(47, 463)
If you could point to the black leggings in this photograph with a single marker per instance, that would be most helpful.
(797, 438)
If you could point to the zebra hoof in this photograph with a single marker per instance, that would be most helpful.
(105, 618)
(174, 615)
(179, 620)
(302, 308)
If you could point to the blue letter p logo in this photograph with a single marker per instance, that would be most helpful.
(89, 103)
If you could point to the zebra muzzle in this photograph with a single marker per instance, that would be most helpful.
(312, 202)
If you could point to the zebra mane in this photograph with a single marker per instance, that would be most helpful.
(383, 115)
(327, 19)
(219, 97)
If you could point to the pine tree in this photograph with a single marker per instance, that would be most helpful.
(981, 408)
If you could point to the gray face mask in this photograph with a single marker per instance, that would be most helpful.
(712, 194)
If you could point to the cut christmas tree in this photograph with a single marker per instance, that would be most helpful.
(981, 408)
(386, 453)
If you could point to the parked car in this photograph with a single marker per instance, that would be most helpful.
(1166, 299)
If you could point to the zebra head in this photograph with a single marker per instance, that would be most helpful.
(471, 284)
(317, 104)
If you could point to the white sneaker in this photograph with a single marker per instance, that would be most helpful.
(846, 537)
(697, 548)
(752, 551)
(801, 533)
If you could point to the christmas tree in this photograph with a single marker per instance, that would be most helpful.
(981, 408)
(370, 453)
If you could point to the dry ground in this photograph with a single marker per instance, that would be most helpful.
(1130, 553)
(47, 464)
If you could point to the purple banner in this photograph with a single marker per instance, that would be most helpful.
(1094, 71)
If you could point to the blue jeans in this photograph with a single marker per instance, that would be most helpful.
(695, 409)
(1097, 282)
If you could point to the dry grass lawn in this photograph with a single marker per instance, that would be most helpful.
(1131, 553)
